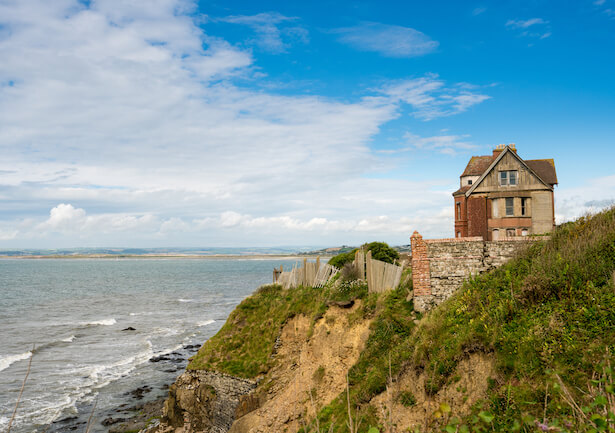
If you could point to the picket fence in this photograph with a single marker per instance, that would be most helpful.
(380, 276)
(312, 274)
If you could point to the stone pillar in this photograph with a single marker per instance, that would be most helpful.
(420, 273)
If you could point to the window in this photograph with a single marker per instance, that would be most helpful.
(469, 181)
(458, 234)
(510, 208)
(496, 235)
(523, 206)
(458, 209)
(510, 233)
(508, 178)
(524, 232)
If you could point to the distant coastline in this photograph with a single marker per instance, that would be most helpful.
(172, 256)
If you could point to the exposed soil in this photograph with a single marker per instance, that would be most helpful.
(304, 363)
(469, 385)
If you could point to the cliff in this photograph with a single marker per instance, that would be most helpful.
(525, 347)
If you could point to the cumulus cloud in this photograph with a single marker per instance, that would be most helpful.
(65, 218)
(387, 40)
(128, 122)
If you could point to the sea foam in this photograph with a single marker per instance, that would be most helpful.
(103, 322)
(205, 323)
(6, 361)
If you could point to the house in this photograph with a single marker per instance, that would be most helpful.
(502, 195)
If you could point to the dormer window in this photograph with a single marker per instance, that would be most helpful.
(508, 178)
(469, 181)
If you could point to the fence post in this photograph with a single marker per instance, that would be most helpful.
(369, 271)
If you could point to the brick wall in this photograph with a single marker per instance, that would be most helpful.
(440, 266)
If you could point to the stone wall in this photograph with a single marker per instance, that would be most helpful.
(205, 401)
(440, 266)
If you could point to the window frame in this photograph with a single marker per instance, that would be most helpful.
(505, 177)
(511, 207)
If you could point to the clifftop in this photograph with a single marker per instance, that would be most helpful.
(526, 347)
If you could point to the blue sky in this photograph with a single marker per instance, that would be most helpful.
(175, 123)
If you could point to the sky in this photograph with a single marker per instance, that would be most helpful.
(175, 123)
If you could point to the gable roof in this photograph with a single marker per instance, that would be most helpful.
(478, 165)
(506, 150)
(544, 168)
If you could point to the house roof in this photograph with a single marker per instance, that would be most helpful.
(462, 190)
(544, 168)
(478, 165)
(546, 165)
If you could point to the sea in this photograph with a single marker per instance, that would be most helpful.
(74, 318)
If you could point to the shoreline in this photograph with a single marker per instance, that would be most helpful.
(173, 256)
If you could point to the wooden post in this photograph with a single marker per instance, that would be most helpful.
(369, 272)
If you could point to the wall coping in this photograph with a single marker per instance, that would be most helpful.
(480, 239)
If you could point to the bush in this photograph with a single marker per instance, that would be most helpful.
(380, 251)
(341, 259)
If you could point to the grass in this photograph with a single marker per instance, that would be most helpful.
(547, 317)
(244, 345)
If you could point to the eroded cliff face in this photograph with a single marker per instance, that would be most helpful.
(469, 386)
(203, 401)
(305, 364)
(308, 358)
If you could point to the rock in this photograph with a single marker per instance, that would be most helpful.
(206, 400)
(192, 347)
(343, 304)
(67, 419)
(159, 358)
(130, 328)
(139, 392)
(110, 421)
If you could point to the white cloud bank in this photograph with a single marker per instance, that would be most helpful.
(125, 122)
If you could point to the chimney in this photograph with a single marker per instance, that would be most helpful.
(513, 147)
(498, 149)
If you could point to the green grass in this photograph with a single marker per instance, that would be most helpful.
(549, 313)
(244, 345)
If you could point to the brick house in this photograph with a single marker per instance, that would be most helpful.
(502, 195)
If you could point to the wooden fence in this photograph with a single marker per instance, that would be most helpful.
(380, 276)
(312, 274)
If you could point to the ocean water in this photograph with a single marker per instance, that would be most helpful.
(74, 312)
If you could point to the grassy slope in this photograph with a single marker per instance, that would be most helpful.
(550, 311)
(244, 345)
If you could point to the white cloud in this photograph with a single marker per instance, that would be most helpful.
(591, 196)
(533, 27)
(267, 27)
(446, 144)
(65, 218)
(127, 123)
(387, 40)
(478, 11)
(524, 24)
(430, 97)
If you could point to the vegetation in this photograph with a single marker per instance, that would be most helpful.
(244, 345)
(548, 318)
(380, 251)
